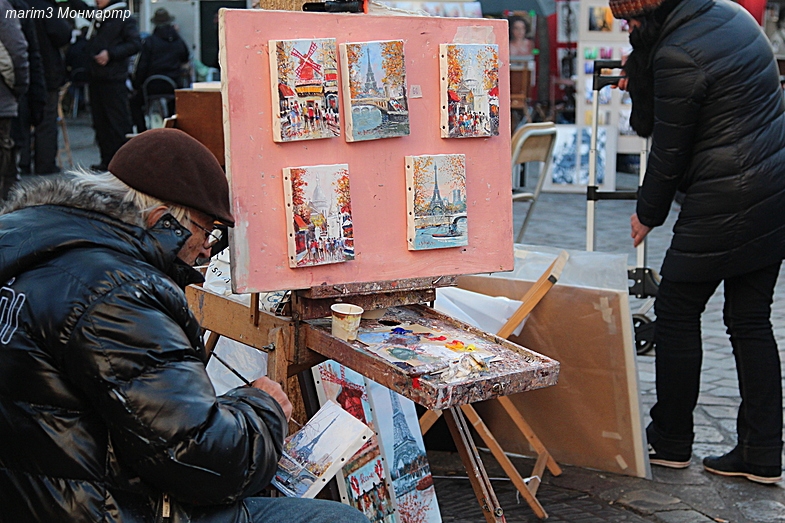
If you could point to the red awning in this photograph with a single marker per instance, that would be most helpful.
(494, 91)
(285, 90)
(454, 97)
(299, 221)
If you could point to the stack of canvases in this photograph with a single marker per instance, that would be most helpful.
(389, 478)
(305, 97)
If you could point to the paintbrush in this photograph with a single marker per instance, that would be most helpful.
(232, 369)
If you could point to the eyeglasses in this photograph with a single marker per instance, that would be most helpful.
(210, 237)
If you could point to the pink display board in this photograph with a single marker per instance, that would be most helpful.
(255, 163)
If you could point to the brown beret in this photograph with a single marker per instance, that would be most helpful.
(632, 8)
(172, 166)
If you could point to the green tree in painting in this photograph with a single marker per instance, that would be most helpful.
(299, 203)
(455, 60)
(392, 64)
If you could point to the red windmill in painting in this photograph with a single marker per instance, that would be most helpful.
(351, 395)
(308, 71)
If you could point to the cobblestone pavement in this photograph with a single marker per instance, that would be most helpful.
(581, 495)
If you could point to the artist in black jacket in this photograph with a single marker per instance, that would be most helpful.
(111, 41)
(106, 410)
(705, 87)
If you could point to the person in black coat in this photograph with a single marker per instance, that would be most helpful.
(705, 87)
(106, 409)
(33, 104)
(163, 53)
(111, 41)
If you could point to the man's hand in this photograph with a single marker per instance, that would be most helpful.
(639, 231)
(274, 389)
(102, 58)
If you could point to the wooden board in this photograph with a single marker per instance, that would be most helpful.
(592, 417)
(518, 370)
(255, 162)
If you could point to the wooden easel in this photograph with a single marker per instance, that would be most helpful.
(294, 344)
(527, 487)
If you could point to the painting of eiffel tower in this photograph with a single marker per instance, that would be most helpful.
(436, 201)
(376, 90)
(316, 452)
(404, 452)
(364, 481)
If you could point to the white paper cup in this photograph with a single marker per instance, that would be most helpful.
(346, 320)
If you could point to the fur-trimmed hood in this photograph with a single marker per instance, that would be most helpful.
(43, 219)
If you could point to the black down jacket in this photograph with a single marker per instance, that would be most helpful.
(105, 404)
(719, 136)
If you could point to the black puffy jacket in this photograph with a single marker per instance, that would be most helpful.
(105, 404)
(117, 36)
(719, 136)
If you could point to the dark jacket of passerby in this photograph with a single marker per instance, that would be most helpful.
(164, 53)
(14, 63)
(719, 137)
(36, 93)
(120, 38)
(102, 373)
(53, 34)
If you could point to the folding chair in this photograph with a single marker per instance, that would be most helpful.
(532, 142)
(158, 96)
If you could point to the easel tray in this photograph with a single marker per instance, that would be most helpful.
(433, 359)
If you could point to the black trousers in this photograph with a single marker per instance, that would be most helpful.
(111, 116)
(8, 175)
(677, 336)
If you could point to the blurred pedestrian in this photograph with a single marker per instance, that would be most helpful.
(705, 87)
(53, 33)
(163, 53)
(32, 104)
(14, 80)
(112, 40)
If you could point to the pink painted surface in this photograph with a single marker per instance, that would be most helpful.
(254, 162)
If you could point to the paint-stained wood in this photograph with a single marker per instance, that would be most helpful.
(375, 287)
(519, 369)
(308, 309)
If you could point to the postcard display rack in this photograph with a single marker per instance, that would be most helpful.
(366, 160)
(602, 37)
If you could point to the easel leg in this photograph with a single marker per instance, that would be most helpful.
(543, 456)
(471, 461)
(505, 462)
(428, 419)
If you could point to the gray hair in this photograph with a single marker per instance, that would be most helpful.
(108, 184)
(100, 192)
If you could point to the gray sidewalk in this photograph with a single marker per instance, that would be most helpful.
(581, 495)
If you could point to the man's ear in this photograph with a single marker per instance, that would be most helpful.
(155, 215)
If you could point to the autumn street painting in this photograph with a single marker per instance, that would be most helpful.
(469, 90)
(304, 76)
(319, 215)
(364, 480)
(376, 90)
(436, 201)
